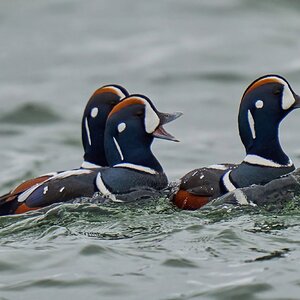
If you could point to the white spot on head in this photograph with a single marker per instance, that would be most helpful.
(61, 190)
(94, 112)
(202, 176)
(251, 124)
(259, 104)
(121, 127)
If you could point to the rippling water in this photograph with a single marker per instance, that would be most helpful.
(191, 56)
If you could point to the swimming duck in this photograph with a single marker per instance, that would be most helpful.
(130, 129)
(93, 124)
(265, 103)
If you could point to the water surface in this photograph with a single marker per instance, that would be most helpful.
(191, 56)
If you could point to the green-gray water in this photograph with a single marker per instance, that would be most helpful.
(191, 56)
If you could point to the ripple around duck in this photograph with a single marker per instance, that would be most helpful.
(30, 114)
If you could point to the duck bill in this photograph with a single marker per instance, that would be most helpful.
(161, 133)
(165, 118)
(297, 101)
(168, 117)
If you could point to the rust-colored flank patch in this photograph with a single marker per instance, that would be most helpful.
(126, 102)
(28, 184)
(23, 208)
(185, 200)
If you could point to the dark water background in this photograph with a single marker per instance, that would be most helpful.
(191, 56)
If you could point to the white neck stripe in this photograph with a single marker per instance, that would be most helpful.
(258, 160)
(227, 182)
(136, 167)
(88, 165)
(251, 124)
(88, 131)
(119, 149)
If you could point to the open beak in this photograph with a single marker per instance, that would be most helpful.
(297, 101)
(165, 118)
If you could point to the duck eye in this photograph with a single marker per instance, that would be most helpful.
(277, 91)
(140, 113)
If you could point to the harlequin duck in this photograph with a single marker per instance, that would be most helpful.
(265, 103)
(130, 129)
(93, 124)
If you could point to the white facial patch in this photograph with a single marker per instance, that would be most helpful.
(287, 96)
(251, 124)
(121, 127)
(151, 118)
(94, 112)
(259, 104)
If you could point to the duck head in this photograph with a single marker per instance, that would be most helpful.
(265, 103)
(93, 123)
(130, 129)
